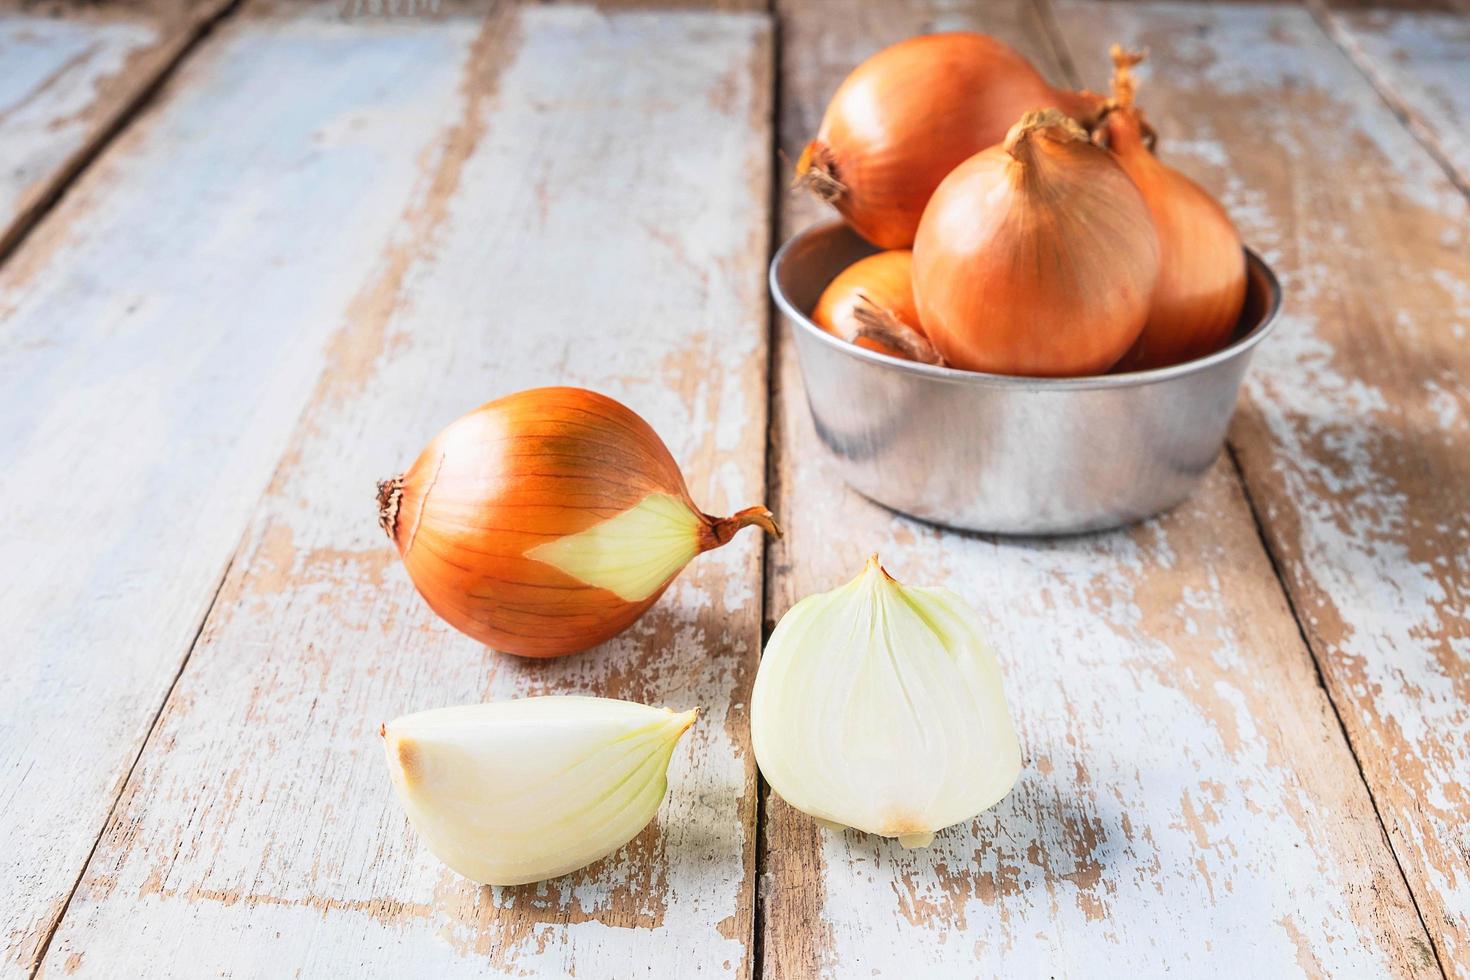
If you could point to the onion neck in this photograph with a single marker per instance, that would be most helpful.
(717, 532)
(1029, 164)
(1052, 124)
(1124, 131)
(874, 564)
(1084, 106)
(1125, 86)
(1121, 126)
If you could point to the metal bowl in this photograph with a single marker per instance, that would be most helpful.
(1011, 455)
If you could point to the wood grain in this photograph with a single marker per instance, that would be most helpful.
(1435, 6)
(1356, 437)
(1420, 63)
(71, 76)
(595, 212)
(1188, 802)
(160, 333)
(1356, 441)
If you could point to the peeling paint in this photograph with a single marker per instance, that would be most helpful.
(317, 636)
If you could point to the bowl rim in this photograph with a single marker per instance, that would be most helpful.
(1127, 379)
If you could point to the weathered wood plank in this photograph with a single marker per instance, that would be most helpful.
(1356, 438)
(597, 214)
(655, 5)
(1438, 6)
(160, 333)
(1420, 63)
(1188, 802)
(71, 73)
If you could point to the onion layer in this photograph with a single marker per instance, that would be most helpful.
(879, 706)
(908, 115)
(871, 304)
(1201, 288)
(546, 522)
(1036, 257)
(520, 791)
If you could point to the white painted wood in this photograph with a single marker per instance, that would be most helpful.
(64, 80)
(569, 196)
(1420, 63)
(1356, 436)
(159, 335)
(1188, 804)
(52, 69)
(596, 213)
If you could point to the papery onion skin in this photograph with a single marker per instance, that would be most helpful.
(908, 115)
(871, 304)
(1037, 257)
(1202, 278)
(879, 706)
(522, 474)
(513, 792)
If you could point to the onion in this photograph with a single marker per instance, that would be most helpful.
(879, 707)
(1036, 257)
(521, 791)
(871, 304)
(1201, 287)
(909, 115)
(546, 522)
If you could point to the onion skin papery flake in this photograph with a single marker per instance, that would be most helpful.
(513, 792)
(879, 707)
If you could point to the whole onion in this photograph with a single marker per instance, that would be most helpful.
(547, 521)
(1037, 256)
(1201, 288)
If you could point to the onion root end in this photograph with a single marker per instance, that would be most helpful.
(816, 171)
(881, 326)
(390, 494)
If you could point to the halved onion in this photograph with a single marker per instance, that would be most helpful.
(519, 791)
(879, 706)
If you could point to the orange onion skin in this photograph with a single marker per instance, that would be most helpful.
(1201, 288)
(884, 283)
(516, 473)
(1036, 257)
(910, 114)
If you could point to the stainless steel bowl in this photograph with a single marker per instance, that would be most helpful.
(988, 452)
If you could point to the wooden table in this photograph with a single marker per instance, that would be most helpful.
(255, 254)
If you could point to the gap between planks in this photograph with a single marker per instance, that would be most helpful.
(147, 740)
(1308, 675)
(59, 947)
(1280, 573)
(1337, 34)
(147, 94)
(1059, 44)
(133, 105)
(772, 474)
(56, 184)
(1422, 129)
